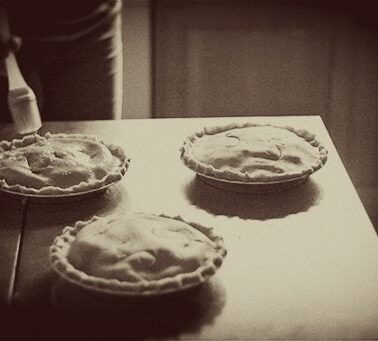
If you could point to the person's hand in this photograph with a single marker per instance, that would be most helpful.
(12, 45)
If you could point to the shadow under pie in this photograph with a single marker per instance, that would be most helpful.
(261, 206)
(156, 316)
(115, 198)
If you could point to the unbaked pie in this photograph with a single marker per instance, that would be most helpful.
(59, 164)
(137, 254)
(252, 153)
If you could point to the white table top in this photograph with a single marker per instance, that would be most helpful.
(301, 264)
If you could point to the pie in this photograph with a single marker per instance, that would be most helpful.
(59, 164)
(252, 153)
(137, 254)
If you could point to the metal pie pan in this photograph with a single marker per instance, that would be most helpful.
(252, 187)
(57, 198)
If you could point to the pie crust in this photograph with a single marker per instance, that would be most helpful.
(137, 254)
(253, 154)
(57, 164)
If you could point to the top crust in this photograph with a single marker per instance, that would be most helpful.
(251, 153)
(59, 164)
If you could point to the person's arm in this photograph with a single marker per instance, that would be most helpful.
(8, 42)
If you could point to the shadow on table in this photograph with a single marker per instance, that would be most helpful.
(94, 316)
(260, 206)
(68, 212)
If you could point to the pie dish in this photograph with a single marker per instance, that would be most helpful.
(59, 164)
(137, 254)
(253, 154)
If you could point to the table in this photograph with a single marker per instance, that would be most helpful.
(301, 264)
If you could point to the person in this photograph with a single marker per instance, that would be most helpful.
(70, 54)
